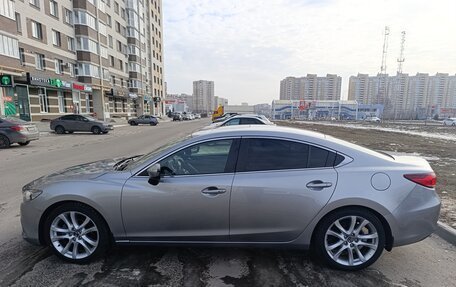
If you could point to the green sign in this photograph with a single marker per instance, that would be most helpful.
(56, 82)
(6, 81)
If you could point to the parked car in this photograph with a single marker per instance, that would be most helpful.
(79, 123)
(373, 119)
(449, 122)
(297, 188)
(188, 117)
(144, 119)
(224, 117)
(241, 120)
(197, 116)
(178, 117)
(13, 130)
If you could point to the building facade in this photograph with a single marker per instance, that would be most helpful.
(203, 97)
(311, 88)
(407, 97)
(99, 57)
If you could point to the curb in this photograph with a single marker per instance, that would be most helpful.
(446, 232)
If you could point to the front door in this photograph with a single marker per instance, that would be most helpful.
(191, 201)
(23, 102)
(279, 187)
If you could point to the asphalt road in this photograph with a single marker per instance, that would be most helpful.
(431, 262)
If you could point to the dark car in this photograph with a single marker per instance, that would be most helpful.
(178, 117)
(144, 119)
(79, 123)
(224, 117)
(14, 130)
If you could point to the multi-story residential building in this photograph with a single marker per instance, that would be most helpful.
(101, 57)
(406, 96)
(311, 88)
(203, 96)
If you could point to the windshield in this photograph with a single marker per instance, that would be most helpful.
(90, 118)
(136, 162)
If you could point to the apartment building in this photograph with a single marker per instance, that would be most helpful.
(311, 88)
(203, 96)
(406, 96)
(99, 57)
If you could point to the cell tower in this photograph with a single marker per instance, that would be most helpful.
(401, 58)
(381, 94)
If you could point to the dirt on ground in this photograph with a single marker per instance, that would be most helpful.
(441, 153)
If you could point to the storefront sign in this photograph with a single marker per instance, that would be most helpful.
(81, 87)
(6, 81)
(48, 82)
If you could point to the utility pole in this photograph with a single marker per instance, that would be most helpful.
(400, 62)
(382, 93)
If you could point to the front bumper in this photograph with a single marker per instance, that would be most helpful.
(108, 128)
(416, 217)
(30, 221)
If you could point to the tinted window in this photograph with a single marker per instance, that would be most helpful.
(318, 157)
(249, 121)
(232, 122)
(270, 154)
(69, 118)
(204, 158)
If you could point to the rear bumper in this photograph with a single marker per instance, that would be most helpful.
(23, 137)
(416, 217)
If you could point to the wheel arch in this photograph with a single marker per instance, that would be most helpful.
(389, 239)
(53, 206)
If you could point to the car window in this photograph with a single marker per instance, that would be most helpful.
(69, 118)
(232, 122)
(273, 154)
(250, 121)
(205, 158)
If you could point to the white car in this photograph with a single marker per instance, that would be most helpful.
(373, 119)
(449, 122)
(241, 120)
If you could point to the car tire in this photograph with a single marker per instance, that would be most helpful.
(96, 130)
(356, 246)
(70, 132)
(24, 144)
(4, 142)
(76, 233)
(105, 132)
(59, 130)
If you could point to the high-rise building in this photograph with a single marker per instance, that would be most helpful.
(406, 96)
(203, 96)
(311, 88)
(100, 57)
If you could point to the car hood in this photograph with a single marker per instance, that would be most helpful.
(85, 171)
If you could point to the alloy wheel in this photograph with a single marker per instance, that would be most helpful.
(351, 240)
(74, 235)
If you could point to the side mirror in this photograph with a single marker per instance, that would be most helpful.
(154, 174)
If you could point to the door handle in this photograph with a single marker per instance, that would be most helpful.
(213, 190)
(318, 185)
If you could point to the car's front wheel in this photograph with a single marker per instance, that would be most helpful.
(349, 239)
(59, 130)
(96, 130)
(76, 233)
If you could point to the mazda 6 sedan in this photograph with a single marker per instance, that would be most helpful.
(239, 186)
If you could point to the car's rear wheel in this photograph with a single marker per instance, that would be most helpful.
(4, 142)
(349, 239)
(96, 130)
(59, 130)
(76, 233)
(24, 143)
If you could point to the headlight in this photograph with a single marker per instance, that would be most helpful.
(30, 194)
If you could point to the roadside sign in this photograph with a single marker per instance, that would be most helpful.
(6, 81)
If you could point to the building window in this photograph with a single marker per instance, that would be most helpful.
(84, 18)
(37, 31)
(61, 100)
(7, 8)
(117, 27)
(86, 44)
(68, 16)
(44, 105)
(9, 47)
(40, 62)
(87, 101)
(71, 67)
(119, 46)
(70, 44)
(53, 8)
(35, 3)
(110, 41)
(120, 65)
(56, 38)
(88, 70)
(109, 21)
(22, 56)
(111, 60)
(113, 80)
(122, 83)
(122, 13)
(116, 7)
(18, 22)
(102, 29)
(58, 66)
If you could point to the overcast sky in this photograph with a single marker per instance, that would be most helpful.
(248, 46)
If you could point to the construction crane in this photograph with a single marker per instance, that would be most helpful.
(401, 58)
(381, 94)
(400, 62)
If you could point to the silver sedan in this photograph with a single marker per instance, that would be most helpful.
(239, 186)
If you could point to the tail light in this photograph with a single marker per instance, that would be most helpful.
(17, 128)
(424, 179)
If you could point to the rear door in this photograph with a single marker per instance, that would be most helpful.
(279, 187)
